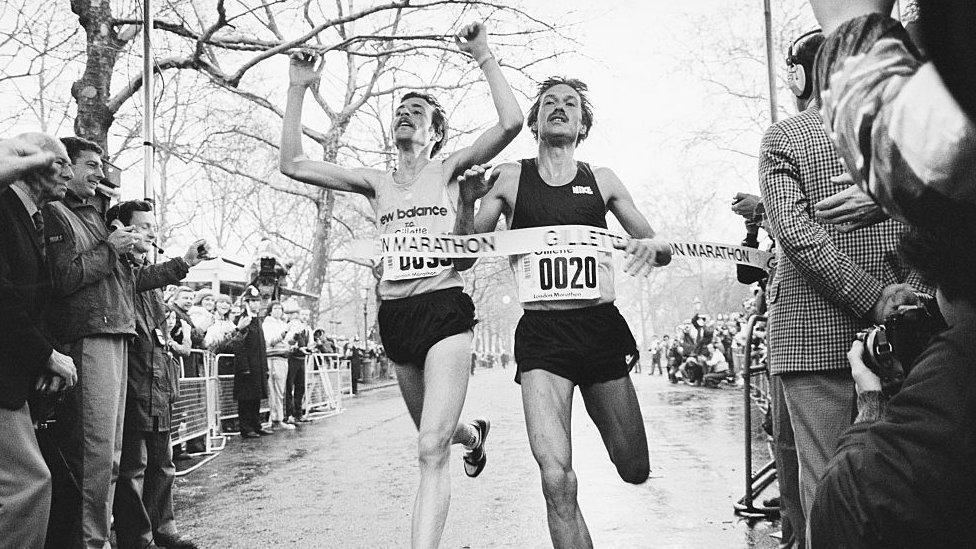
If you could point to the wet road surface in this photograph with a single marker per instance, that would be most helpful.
(348, 481)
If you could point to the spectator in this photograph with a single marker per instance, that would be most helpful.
(143, 508)
(20, 157)
(181, 303)
(322, 343)
(27, 348)
(250, 365)
(904, 475)
(299, 346)
(675, 357)
(275, 331)
(827, 286)
(505, 359)
(202, 312)
(657, 349)
(222, 328)
(716, 367)
(94, 319)
(904, 127)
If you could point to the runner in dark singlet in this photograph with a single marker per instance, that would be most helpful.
(425, 318)
(571, 333)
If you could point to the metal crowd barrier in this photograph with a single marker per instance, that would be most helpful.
(227, 405)
(322, 377)
(207, 392)
(195, 409)
(757, 391)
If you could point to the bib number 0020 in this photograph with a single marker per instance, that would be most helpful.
(555, 272)
(558, 275)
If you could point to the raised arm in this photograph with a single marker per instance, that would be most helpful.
(18, 157)
(303, 74)
(493, 193)
(510, 119)
(643, 251)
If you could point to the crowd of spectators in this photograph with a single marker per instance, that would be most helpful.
(82, 306)
(705, 350)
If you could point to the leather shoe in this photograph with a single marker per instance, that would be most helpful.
(171, 541)
(264, 432)
(250, 434)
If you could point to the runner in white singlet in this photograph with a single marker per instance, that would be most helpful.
(425, 319)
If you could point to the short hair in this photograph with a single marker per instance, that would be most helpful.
(272, 305)
(223, 297)
(579, 87)
(945, 257)
(181, 290)
(123, 211)
(75, 145)
(439, 118)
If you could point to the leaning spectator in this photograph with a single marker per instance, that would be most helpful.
(94, 318)
(905, 126)
(275, 331)
(143, 509)
(27, 348)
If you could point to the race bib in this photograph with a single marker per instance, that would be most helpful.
(558, 274)
(407, 268)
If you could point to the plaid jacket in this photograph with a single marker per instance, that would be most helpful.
(826, 282)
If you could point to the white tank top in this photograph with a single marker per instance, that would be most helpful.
(426, 205)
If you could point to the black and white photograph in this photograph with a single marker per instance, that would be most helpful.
(480, 274)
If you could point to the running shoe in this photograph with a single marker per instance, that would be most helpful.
(476, 458)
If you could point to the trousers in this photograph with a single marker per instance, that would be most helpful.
(144, 492)
(25, 483)
(295, 388)
(278, 370)
(84, 446)
(822, 406)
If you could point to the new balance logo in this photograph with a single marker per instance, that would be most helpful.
(578, 189)
(416, 211)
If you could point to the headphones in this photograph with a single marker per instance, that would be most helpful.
(801, 84)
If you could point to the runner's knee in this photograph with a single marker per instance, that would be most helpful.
(558, 484)
(433, 448)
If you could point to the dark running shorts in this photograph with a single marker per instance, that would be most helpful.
(410, 326)
(586, 346)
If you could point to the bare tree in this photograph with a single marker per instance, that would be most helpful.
(372, 53)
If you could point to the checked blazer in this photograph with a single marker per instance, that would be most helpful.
(826, 281)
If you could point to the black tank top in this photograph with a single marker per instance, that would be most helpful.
(578, 202)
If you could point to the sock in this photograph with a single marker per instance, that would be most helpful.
(474, 437)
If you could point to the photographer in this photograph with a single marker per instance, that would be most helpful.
(904, 475)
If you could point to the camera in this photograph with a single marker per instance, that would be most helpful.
(892, 348)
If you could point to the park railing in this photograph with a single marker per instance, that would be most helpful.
(206, 396)
(756, 391)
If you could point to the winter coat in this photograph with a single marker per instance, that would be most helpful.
(250, 362)
(153, 382)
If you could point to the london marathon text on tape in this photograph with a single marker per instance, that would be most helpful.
(539, 239)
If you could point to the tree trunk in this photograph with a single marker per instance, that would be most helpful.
(91, 91)
(324, 206)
